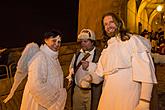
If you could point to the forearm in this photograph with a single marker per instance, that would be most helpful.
(145, 97)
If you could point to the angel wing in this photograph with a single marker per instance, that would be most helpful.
(22, 67)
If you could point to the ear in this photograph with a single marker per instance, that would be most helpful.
(46, 41)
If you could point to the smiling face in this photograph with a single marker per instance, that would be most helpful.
(53, 43)
(109, 25)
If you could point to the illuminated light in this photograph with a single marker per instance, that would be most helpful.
(163, 16)
(159, 8)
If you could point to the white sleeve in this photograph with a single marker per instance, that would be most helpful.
(146, 91)
(71, 69)
(142, 63)
(92, 67)
(97, 75)
(99, 70)
(143, 67)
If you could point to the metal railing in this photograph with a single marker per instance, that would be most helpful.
(6, 80)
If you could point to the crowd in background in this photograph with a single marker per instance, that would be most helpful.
(157, 40)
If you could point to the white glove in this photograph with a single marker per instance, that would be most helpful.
(87, 78)
(69, 77)
(71, 72)
(84, 84)
(143, 105)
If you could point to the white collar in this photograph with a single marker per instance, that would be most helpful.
(114, 39)
(48, 51)
(92, 51)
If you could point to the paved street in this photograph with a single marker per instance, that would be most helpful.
(160, 72)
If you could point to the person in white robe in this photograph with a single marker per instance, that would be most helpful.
(126, 67)
(44, 88)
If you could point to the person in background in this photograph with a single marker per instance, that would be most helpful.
(44, 88)
(126, 67)
(85, 95)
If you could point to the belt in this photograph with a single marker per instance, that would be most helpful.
(83, 88)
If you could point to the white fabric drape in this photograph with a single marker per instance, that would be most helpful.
(124, 65)
(44, 88)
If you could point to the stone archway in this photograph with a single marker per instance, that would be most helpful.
(144, 14)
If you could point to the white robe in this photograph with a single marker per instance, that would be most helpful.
(44, 88)
(124, 65)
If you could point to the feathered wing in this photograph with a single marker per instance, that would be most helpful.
(22, 67)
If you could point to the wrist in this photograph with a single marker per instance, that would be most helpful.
(90, 79)
(143, 105)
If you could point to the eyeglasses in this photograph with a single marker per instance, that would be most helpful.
(86, 31)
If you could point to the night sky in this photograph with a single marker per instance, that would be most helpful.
(24, 22)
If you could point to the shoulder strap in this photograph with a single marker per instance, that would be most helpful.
(95, 59)
(79, 64)
(77, 55)
(96, 55)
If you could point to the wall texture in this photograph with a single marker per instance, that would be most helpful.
(91, 12)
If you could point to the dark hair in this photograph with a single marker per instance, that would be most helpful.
(53, 33)
(120, 27)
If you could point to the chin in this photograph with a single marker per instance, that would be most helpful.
(84, 49)
(55, 50)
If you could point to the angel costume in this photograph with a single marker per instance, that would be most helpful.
(44, 88)
(124, 65)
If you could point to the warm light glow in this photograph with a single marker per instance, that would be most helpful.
(156, 22)
(159, 8)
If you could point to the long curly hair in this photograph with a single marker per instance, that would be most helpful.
(120, 28)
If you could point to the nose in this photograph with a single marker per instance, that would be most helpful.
(82, 43)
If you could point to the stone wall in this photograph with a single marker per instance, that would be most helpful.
(91, 12)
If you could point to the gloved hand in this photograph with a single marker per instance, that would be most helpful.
(87, 78)
(68, 82)
(84, 84)
(71, 72)
(142, 105)
(69, 77)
